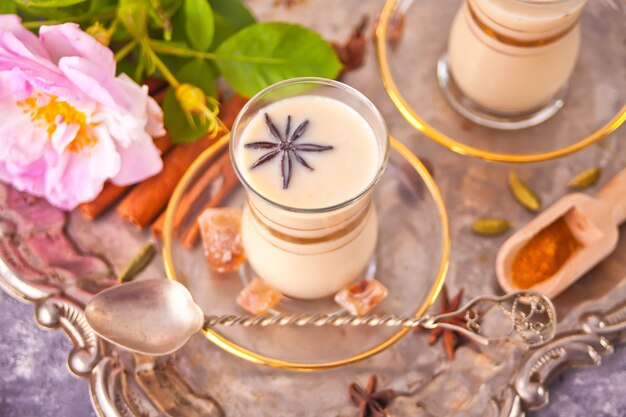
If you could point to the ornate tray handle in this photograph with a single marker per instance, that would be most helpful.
(16, 275)
(611, 323)
(56, 312)
(582, 348)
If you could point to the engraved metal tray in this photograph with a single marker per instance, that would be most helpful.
(202, 380)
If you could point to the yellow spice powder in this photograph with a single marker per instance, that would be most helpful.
(544, 254)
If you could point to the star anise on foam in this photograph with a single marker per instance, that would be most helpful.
(287, 147)
(371, 403)
(450, 337)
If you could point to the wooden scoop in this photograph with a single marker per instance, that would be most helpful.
(594, 223)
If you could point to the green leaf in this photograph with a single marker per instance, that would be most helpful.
(132, 14)
(8, 7)
(234, 12)
(224, 29)
(160, 13)
(96, 6)
(278, 51)
(128, 67)
(178, 26)
(198, 73)
(199, 24)
(121, 34)
(31, 13)
(230, 17)
(48, 3)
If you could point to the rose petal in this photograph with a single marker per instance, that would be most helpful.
(68, 40)
(154, 127)
(25, 177)
(136, 114)
(13, 24)
(77, 177)
(35, 69)
(140, 160)
(18, 88)
(63, 135)
(22, 141)
(90, 79)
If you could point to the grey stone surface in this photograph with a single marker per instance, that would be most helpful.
(34, 379)
(597, 392)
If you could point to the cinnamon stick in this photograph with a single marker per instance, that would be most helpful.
(228, 112)
(190, 235)
(230, 109)
(164, 144)
(144, 203)
(155, 85)
(111, 193)
(216, 169)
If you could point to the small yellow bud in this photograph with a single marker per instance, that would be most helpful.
(100, 33)
(191, 98)
(194, 102)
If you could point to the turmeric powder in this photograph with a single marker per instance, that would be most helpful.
(544, 254)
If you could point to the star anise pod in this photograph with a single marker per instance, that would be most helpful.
(286, 146)
(371, 403)
(450, 337)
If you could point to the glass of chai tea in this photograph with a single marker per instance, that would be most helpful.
(510, 60)
(309, 152)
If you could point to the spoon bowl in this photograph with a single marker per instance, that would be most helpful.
(152, 317)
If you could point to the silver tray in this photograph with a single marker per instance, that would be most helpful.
(201, 380)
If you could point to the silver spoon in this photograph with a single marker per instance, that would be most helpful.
(157, 317)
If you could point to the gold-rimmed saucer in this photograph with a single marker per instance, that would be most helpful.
(411, 260)
(594, 106)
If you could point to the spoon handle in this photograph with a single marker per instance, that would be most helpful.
(613, 194)
(534, 324)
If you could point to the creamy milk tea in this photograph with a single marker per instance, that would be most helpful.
(513, 56)
(309, 162)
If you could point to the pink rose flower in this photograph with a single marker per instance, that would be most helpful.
(67, 123)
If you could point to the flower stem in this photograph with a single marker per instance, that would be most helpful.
(166, 49)
(114, 24)
(125, 50)
(167, 74)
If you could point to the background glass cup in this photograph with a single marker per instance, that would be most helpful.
(310, 253)
(508, 61)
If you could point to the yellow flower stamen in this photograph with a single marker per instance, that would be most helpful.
(54, 111)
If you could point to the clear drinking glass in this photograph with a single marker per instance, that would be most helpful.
(310, 253)
(508, 61)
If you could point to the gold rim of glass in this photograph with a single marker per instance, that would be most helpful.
(251, 356)
(320, 82)
(449, 142)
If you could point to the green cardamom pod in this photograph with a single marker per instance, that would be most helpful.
(490, 226)
(585, 179)
(137, 264)
(523, 194)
